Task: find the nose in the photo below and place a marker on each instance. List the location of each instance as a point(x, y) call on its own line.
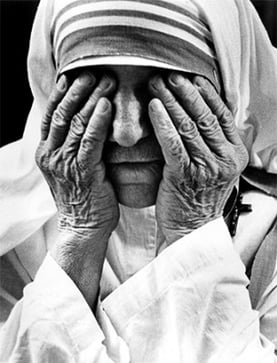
point(129, 125)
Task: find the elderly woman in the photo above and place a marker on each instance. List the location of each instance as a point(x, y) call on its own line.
point(150, 112)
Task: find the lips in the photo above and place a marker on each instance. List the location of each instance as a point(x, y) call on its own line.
point(135, 173)
point(145, 151)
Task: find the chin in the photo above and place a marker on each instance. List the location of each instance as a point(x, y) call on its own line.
point(137, 195)
point(136, 184)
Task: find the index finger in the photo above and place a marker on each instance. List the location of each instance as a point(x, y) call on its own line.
point(92, 143)
point(173, 149)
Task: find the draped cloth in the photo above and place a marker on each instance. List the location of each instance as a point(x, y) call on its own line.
point(224, 41)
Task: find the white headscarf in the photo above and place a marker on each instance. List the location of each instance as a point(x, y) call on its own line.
point(248, 67)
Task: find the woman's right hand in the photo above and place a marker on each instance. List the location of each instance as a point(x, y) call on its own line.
point(69, 155)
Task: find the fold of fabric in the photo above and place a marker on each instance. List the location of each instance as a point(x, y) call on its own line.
point(151, 31)
point(247, 63)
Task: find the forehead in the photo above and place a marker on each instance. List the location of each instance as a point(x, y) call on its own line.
point(135, 68)
point(127, 74)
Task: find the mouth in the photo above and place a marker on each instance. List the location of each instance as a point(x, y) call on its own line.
point(133, 173)
point(139, 164)
point(146, 151)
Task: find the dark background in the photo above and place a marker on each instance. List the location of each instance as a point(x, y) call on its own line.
point(16, 22)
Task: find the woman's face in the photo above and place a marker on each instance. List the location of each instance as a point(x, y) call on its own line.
point(132, 155)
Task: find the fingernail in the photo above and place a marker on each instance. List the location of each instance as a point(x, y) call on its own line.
point(176, 79)
point(108, 82)
point(154, 105)
point(87, 78)
point(200, 81)
point(104, 105)
point(155, 83)
point(62, 83)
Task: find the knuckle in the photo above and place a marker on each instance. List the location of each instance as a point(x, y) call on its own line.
point(53, 167)
point(229, 171)
point(187, 129)
point(93, 135)
point(176, 148)
point(170, 101)
point(211, 169)
point(173, 143)
point(234, 163)
point(47, 116)
point(239, 160)
point(86, 143)
point(77, 125)
point(225, 173)
point(199, 176)
point(89, 143)
point(42, 157)
point(208, 121)
point(58, 119)
point(63, 108)
point(78, 120)
point(226, 115)
point(45, 124)
point(215, 169)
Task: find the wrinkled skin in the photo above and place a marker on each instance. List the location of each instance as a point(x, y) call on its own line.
point(203, 157)
point(70, 154)
point(74, 129)
point(203, 152)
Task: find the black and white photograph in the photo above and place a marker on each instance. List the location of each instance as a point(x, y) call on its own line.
point(138, 181)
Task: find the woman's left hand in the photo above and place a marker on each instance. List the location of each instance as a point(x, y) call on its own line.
point(203, 153)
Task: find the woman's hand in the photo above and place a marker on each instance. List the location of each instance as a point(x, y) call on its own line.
point(74, 130)
point(203, 153)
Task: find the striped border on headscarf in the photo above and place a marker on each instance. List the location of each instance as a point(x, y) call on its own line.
point(174, 33)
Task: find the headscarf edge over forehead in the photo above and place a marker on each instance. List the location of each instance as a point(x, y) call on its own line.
point(248, 66)
point(152, 32)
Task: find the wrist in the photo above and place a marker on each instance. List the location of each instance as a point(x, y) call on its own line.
point(81, 255)
point(85, 219)
point(84, 228)
point(73, 244)
point(172, 234)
